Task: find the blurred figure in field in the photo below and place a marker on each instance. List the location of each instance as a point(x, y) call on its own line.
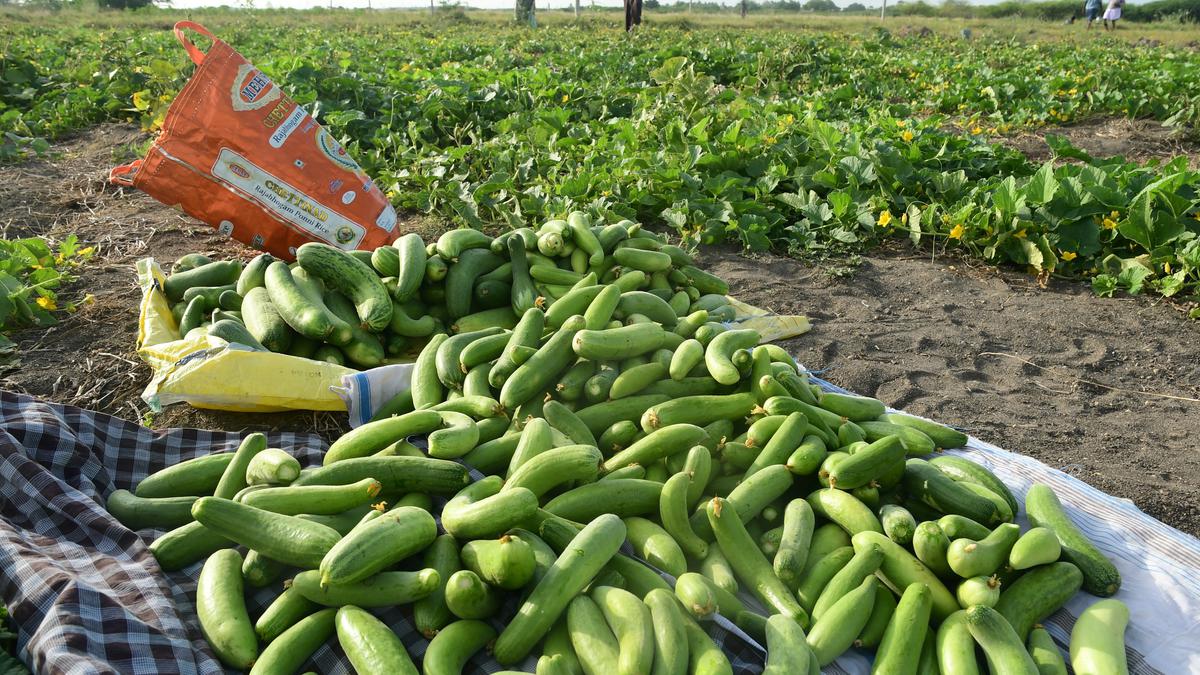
point(1091, 9)
point(1113, 13)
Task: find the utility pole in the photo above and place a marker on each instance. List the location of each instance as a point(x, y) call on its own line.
point(883, 11)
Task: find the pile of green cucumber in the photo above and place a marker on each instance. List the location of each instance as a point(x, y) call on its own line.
point(366, 308)
point(814, 521)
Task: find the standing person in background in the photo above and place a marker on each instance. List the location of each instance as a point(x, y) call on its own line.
point(1113, 13)
point(1091, 9)
point(633, 14)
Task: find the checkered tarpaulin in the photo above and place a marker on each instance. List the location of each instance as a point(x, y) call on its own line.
point(85, 594)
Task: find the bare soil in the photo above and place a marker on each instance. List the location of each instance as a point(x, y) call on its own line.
point(1135, 140)
point(1076, 381)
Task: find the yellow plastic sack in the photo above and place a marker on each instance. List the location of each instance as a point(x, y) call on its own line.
point(208, 372)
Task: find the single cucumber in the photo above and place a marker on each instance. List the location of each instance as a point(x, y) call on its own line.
point(853, 408)
point(945, 437)
point(930, 544)
point(563, 419)
point(1005, 650)
point(898, 523)
point(718, 354)
point(970, 558)
point(790, 558)
point(430, 613)
point(374, 436)
point(1038, 546)
point(835, 632)
point(1100, 576)
point(450, 649)
point(264, 322)
point(699, 410)
point(930, 486)
point(506, 563)
point(221, 609)
point(881, 616)
point(186, 545)
point(162, 513)
point(377, 544)
point(252, 274)
point(600, 416)
point(198, 476)
point(593, 640)
point(586, 554)
point(900, 649)
point(670, 636)
point(547, 470)
point(306, 313)
point(867, 464)
point(864, 564)
point(959, 527)
point(285, 538)
point(658, 444)
point(705, 657)
point(370, 645)
point(1037, 594)
point(673, 513)
point(384, 589)
point(1045, 653)
point(410, 265)
point(468, 597)
point(535, 376)
point(296, 644)
point(352, 278)
point(272, 466)
point(627, 497)
point(397, 474)
point(955, 646)
point(481, 510)
point(978, 591)
point(788, 652)
point(817, 573)
point(316, 499)
point(284, 611)
point(655, 545)
point(844, 509)
point(219, 273)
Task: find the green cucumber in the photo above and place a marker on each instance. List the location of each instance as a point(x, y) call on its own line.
point(655, 308)
point(304, 313)
point(450, 649)
point(970, 558)
point(468, 597)
point(900, 649)
point(1037, 594)
point(286, 653)
point(835, 632)
point(867, 464)
point(630, 620)
point(506, 563)
point(221, 609)
point(447, 360)
point(563, 419)
point(699, 410)
point(749, 498)
point(426, 387)
point(316, 499)
point(482, 510)
point(264, 321)
point(364, 349)
point(783, 442)
point(655, 545)
point(235, 332)
point(964, 470)
point(697, 596)
point(186, 545)
point(219, 273)
point(719, 353)
point(959, 527)
point(930, 544)
point(898, 524)
point(1045, 654)
point(410, 265)
point(626, 497)
point(749, 563)
point(1038, 546)
point(592, 639)
point(1100, 576)
point(673, 513)
point(370, 645)
point(930, 486)
point(397, 474)
point(900, 569)
point(276, 536)
point(881, 616)
point(916, 443)
point(600, 416)
point(272, 466)
point(549, 469)
point(350, 277)
point(670, 636)
point(535, 376)
point(161, 513)
point(384, 589)
point(198, 476)
point(252, 274)
point(284, 611)
point(978, 591)
point(705, 657)
point(430, 613)
point(851, 407)
point(817, 573)
point(788, 652)
point(955, 646)
point(845, 510)
point(377, 544)
point(375, 436)
point(616, 344)
point(656, 445)
point(945, 437)
point(582, 559)
point(1005, 649)
point(864, 564)
point(792, 555)
point(457, 436)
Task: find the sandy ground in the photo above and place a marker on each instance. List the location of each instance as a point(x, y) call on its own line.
point(1079, 382)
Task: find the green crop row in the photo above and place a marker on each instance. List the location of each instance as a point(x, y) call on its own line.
point(809, 144)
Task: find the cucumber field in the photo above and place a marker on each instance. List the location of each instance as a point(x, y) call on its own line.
point(993, 224)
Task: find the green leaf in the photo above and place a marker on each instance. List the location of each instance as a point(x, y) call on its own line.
point(1104, 285)
point(1005, 196)
point(1042, 185)
point(1132, 277)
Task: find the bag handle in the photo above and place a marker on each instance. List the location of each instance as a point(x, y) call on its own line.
point(193, 51)
point(123, 175)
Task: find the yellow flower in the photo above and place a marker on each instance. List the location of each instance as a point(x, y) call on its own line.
point(86, 250)
point(1114, 215)
point(1073, 92)
point(1196, 215)
point(901, 123)
point(47, 304)
point(788, 119)
point(976, 130)
point(885, 218)
point(1167, 267)
point(957, 231)
point(565, 98)
point(406, 67)
point(1109, 224)
point(907, 136)
point(1020, 234)
point(1069, 255)
point(904, 218)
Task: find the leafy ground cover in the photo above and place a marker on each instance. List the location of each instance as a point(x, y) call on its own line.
point(814, 144)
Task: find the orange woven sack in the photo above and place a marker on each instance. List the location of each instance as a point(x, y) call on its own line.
point(239, 154)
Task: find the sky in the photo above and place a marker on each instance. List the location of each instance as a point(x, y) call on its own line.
point(488, 4)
